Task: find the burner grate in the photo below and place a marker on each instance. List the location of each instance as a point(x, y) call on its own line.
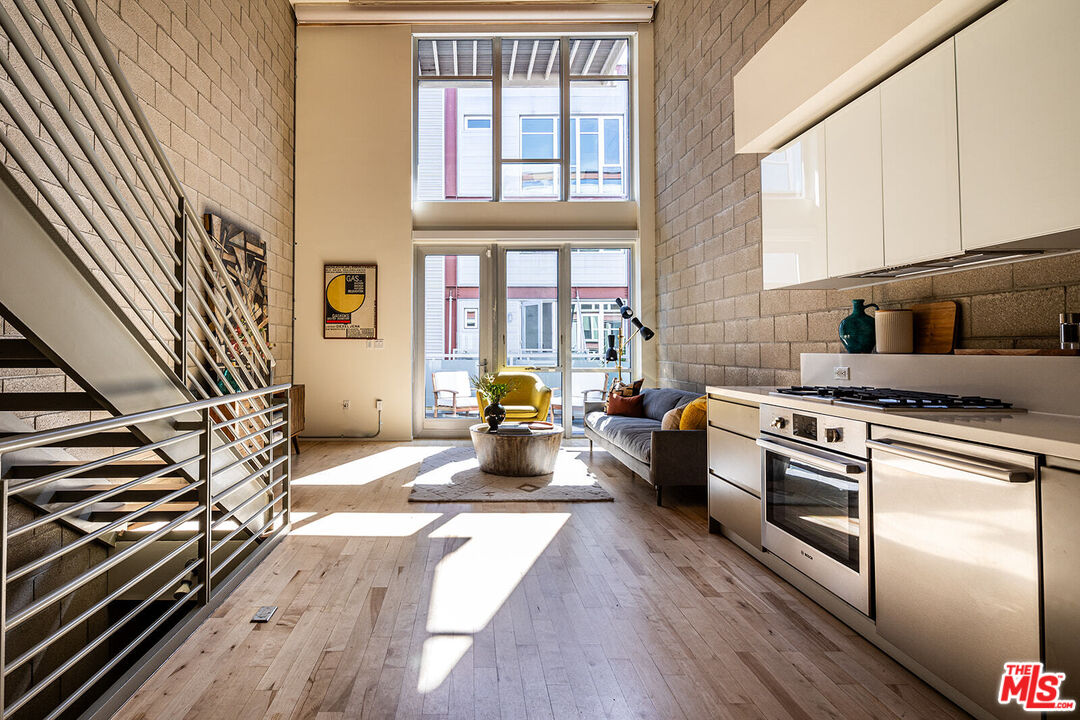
point(890, 398)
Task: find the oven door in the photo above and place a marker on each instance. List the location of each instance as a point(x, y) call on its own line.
point(816, 514)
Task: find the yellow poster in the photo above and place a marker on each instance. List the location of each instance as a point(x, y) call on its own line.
point(349, 302)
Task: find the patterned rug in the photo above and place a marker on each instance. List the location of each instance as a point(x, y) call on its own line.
point(454, 475)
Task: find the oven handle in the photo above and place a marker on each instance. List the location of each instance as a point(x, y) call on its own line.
point(835, 466)
point(974, 466)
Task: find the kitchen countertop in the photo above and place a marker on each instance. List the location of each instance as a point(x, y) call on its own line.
point(1035, 432)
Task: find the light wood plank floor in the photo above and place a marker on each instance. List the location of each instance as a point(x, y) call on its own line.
point(524, 610)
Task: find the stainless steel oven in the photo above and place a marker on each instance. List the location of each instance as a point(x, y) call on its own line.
point(816, 499)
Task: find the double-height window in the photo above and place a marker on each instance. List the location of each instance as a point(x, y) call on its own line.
point(522, 118)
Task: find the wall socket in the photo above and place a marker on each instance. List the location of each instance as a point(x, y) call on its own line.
point(345, 404)
point(378, 404)
point(841, 373)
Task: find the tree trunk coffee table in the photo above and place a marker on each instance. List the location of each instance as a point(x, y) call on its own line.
point(516, 455)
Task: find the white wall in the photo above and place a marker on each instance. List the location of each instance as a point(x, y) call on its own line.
point(353, 188)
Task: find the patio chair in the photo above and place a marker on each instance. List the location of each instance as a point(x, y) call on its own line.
point(453, 391)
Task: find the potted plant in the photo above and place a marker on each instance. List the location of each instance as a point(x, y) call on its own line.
point(493, 391)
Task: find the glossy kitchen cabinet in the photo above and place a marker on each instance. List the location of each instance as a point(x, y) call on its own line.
point(920, 174)
point(1061, 559)
point(793, 219)
point(1018, 103)
point(855, 237)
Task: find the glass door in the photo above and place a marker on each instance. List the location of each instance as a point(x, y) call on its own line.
point(599, 277)
point(530, 319)
point(453, 327)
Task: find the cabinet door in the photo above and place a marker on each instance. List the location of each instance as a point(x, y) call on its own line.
point(920, 174)
point(793, 236)
point(1018, 100)
point(853, 196)
point(1061, 558)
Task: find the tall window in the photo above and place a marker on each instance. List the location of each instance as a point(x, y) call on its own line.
point(491, 124)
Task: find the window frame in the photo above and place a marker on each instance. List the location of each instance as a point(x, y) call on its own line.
point(628, 122)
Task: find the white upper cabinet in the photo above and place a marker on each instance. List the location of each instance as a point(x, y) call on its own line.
point(793, 222)
point(1018, 99)
point(920, 173)
point(853, 194)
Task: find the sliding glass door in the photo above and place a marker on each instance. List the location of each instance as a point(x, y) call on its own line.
point(548, 310)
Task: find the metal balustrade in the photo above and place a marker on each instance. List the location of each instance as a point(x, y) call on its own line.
point(73, 126)
point(151, 556)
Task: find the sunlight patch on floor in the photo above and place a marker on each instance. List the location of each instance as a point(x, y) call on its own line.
point(471, 583)
point(370, 468)
point(440, 654)
point(359, 524)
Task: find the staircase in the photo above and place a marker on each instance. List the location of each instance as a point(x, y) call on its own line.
point(120, 532)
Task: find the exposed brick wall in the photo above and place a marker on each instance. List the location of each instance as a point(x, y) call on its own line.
point(716, 324)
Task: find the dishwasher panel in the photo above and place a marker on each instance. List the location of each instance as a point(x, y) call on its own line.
point(956, 558)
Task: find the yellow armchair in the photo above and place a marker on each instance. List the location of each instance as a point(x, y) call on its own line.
point(529, 398)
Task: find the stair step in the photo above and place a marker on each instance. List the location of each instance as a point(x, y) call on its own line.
point(47, 401)
point(20, 353)
point(107, 512)
point(144, 493)
point(118, 439)
point(116, 470)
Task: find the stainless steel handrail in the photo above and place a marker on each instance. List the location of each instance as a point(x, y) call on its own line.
point(216, 531)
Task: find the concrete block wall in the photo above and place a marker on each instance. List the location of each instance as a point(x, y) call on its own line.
point(216, 79)
point(716, 323)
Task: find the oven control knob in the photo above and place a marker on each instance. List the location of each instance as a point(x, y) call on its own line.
point(778, 423)
point(833, 434)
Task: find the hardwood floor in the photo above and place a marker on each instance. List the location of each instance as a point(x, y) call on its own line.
point(523, 610)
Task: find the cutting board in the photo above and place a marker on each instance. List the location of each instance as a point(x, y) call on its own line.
point(935, 327)
point(1048, 352)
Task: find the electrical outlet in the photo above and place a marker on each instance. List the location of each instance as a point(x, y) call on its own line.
point(841, 373)
point(378, 404)
point(345, 404)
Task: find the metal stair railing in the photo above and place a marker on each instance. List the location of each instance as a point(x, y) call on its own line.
point(61, 648)
point(79, 144)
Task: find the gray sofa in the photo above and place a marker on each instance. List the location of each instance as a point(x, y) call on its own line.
point(661, 457)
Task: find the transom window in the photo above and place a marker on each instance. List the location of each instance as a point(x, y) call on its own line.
point(516, 118)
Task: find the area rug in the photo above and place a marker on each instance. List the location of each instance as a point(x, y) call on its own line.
point(454, 475)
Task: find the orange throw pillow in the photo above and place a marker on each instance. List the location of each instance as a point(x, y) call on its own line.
point(695, 415)
point(633, 406)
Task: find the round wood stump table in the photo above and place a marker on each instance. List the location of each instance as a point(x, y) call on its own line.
point(516, 455)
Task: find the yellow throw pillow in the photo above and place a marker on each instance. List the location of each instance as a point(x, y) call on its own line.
point(695, 415)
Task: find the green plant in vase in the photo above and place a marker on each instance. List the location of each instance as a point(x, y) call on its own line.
point(493, 390)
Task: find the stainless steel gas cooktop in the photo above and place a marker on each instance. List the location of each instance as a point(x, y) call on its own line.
point(893, 399)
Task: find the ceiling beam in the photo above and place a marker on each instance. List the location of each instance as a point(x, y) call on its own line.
point(453, 46)
point(435, 54)
point(513, 60)
point(532, 59)
point(551, 59)
point(592, 56)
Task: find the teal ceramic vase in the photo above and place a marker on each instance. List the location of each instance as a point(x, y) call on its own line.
point(857, 329)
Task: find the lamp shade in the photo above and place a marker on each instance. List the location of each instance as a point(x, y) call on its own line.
point(646, 333)
point(624, 310)
point(612, 354)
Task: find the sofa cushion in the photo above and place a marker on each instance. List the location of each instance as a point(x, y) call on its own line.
point(659, 400)
point(631, 435)
point(628, 406)
point(671, 418)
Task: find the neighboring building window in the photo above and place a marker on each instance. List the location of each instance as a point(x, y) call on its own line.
point(458, 134)
point(470, 319)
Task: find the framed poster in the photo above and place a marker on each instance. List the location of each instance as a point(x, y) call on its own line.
point(349, 311)
point(244, 257)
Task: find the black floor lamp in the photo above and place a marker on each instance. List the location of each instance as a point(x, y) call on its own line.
point(616, 345)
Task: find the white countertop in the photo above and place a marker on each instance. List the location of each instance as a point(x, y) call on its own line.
point(1035, 432)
